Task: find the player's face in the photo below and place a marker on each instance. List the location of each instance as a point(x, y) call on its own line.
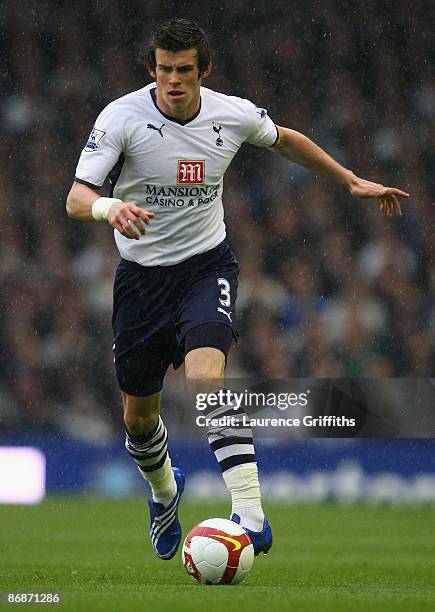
point(178, 82)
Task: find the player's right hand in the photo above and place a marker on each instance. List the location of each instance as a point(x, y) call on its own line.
point(129, 219)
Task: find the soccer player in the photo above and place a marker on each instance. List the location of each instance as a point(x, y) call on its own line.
point(165, 149)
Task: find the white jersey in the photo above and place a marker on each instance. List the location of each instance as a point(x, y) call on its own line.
point(172, 168)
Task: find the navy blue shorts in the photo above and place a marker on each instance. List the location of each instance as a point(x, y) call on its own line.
point(155, 307)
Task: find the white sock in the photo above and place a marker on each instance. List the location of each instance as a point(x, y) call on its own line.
point(149, 450)
point(244, 487)
point(162, 483)
point(251, 517)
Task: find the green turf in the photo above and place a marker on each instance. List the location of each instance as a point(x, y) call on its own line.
point(340, 558)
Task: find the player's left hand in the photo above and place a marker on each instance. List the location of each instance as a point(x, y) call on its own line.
point(388, 196)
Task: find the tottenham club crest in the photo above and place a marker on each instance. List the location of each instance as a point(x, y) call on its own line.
point(94, 140)
point(217, 128)
point(261, 111)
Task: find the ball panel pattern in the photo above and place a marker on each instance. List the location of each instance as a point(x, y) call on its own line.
point(218, 551)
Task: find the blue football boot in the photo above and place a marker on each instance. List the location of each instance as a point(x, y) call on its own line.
point(261, 540)
point(165, 529)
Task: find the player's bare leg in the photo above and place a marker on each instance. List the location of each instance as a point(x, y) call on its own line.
point(204, 363)
point(233, 449)
point(141, 414)
point(146, 441)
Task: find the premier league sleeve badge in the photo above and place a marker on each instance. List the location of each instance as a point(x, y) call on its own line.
point(94, 140)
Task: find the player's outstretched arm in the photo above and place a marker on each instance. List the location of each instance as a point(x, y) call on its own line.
point(84, 204)
point(297, 148)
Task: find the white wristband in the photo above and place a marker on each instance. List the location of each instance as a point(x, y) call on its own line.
point(101, 207)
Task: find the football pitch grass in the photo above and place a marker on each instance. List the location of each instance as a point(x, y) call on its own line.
point(97, 554)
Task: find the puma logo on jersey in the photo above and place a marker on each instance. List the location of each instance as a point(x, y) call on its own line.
point(225, 313)
point(150, 126)
point(217, 129)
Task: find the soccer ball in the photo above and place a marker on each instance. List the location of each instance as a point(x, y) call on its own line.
point(218, 551)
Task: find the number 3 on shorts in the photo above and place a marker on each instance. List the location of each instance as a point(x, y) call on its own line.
point(225, 298)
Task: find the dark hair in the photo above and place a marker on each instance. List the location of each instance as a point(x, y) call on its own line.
point(178, 35)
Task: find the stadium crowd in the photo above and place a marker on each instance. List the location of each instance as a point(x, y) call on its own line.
point(328, 287)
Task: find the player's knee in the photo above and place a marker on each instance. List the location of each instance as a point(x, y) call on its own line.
point(206, 363)
point(201, 371)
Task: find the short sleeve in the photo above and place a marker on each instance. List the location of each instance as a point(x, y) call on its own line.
point(102, 149)
point(261, 130)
